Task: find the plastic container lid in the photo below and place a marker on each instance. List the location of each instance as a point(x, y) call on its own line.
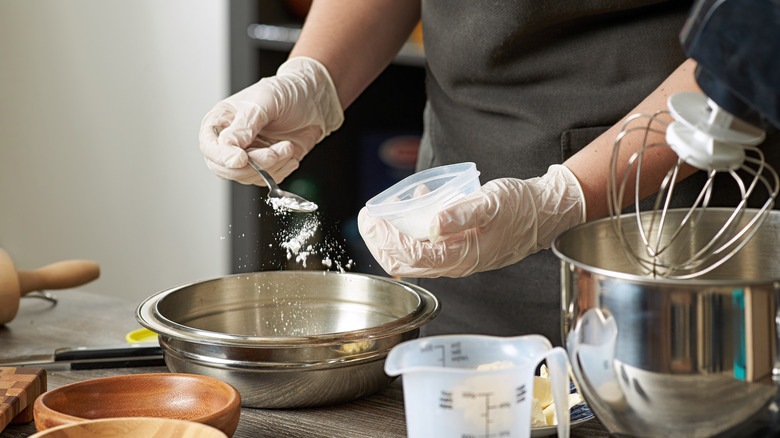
point(411, 203)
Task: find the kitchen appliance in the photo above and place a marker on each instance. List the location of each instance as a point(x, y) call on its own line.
point(480, 386)
point(288, 339)
point(737, 46)
point(673, 357)
point(670, 315)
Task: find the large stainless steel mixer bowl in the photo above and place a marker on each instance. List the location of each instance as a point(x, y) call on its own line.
point(688, 358)
point(288, 339)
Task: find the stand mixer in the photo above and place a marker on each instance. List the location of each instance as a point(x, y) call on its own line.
point(661, 342)
point(737, 46)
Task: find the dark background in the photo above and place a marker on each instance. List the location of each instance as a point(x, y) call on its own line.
point(342, 172)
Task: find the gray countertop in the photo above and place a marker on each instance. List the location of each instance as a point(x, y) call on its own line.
point(90, 319)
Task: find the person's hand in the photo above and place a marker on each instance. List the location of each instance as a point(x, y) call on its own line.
point(277, 121)
point(503, 222)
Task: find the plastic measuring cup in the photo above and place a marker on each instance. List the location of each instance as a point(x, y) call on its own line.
point(446, 395)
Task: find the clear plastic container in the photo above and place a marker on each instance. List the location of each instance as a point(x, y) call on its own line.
point(411, 203)
point(476, 385)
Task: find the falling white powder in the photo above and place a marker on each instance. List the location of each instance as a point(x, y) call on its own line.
point(297, 237)
point(296, 241)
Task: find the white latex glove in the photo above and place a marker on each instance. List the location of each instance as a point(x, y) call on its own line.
point(503, 222)
point(277, 121)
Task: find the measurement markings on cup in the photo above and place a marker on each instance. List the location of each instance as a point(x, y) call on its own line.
point(431, 348)
point(455, 353)
point(489, 408)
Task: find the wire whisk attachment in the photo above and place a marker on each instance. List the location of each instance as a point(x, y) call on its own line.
point(710, 139)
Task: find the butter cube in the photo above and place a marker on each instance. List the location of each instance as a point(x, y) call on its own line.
point(543, 391)
point(537, 414)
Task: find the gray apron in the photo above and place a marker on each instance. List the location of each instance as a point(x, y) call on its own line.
point(516, 86)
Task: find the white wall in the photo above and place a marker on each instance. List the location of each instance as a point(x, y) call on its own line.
point(100, 104)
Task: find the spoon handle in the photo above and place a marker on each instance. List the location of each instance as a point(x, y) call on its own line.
point(272, 186)
point(266, 177)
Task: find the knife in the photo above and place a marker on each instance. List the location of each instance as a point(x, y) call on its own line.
point(141, 354)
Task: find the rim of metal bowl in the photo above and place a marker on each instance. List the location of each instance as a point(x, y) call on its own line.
point(639, 278)
point(428, 307)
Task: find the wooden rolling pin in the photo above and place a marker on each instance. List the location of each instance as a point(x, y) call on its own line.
point(60, 275)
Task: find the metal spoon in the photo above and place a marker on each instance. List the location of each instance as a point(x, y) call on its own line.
point(277, 197)
point(281, 198)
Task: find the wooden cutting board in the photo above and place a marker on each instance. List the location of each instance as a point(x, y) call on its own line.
point(19, 387)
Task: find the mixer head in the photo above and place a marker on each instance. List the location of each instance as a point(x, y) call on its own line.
point(736, 44)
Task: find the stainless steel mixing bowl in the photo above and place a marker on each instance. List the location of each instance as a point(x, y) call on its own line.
point(288, 339)
point(688, 358)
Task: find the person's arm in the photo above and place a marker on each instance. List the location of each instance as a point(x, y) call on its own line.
point(356, 39)
point(343, 46)
point(591, 165)
point(507, 219)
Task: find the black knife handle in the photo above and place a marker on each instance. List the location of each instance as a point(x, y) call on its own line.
point(116, 356)
point(133, 363)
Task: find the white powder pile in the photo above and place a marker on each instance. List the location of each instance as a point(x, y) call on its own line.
point(287, 204)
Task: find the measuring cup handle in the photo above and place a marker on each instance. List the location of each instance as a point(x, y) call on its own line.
point(531, 345)
point(558, 366)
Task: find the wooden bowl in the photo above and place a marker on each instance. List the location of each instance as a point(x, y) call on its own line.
point(196, 398)
point(132, 427)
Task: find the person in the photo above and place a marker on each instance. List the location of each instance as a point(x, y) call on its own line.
point(532, 92)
